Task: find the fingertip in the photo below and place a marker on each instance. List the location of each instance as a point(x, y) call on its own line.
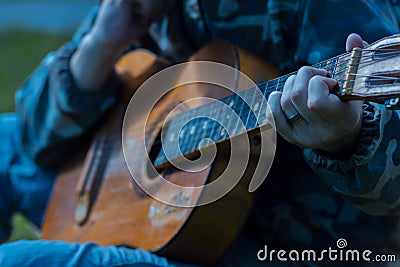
point(330, 82)
point(318, 81)
point(274, 95)
point(274, 100)
point(318, 92)
point(321, 72)
point(275, 115)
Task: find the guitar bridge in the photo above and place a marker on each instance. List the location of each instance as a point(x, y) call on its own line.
point(351, 71)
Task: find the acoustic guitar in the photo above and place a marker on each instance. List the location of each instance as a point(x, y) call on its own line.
point(95, 198)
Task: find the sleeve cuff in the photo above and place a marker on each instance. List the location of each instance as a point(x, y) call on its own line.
point(72, 100)
point(366, 146)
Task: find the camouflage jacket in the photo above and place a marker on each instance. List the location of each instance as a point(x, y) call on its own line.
point(55, 114)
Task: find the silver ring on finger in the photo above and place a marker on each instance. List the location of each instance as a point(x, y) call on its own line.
point(294, 119)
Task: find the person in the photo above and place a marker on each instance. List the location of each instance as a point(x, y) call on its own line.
point(73, 87)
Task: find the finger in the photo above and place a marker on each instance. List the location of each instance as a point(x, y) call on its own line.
point(282, 127)
point(286, 98)
point(300, 90)
point(320, 100)
point(354, 40)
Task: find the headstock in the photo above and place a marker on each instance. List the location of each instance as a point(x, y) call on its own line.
point(372, 73)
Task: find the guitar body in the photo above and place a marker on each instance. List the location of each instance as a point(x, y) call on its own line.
point(119, 212)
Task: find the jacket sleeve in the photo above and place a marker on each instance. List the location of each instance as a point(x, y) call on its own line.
point(54, 114)
point(370, 177)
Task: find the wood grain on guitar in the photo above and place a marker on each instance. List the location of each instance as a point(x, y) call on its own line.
point(98, 201)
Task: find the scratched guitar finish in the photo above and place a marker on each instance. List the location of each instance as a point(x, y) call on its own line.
point(95, 198)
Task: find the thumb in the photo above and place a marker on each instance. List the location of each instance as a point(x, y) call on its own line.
point(354, 40)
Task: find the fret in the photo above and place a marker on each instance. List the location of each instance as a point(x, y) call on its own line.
point(332, 70)
point(277, 85)
point(204, 126)
point(341, 69)
point(263, 112)
point(272, 84)
point(225, 118)
point(193, 136)
point(225, 121)
point(228, 118)
point(216, 131)
point(331, 65)
point(204, 122)
point(321, 65)
point(251, 120)
point(234, 105)
point(261, 105)
point(280, 85)
point(199, 131)
point(242, 104)
point(182, 134)
point(186, 133)
point(203, 129)
point(246, 109)
point(187, 139)
point(212, 110)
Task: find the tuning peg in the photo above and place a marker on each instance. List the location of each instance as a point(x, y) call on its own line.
point(392, 103)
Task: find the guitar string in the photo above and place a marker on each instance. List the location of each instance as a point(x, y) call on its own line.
point(118, 161)
point(360, 65)
point(374, 76)
point(342, 59)
point(371, 55)
point(368, 64)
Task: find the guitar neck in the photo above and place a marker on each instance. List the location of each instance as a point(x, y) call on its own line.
point(218, 121)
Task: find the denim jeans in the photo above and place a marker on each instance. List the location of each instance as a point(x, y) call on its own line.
point(41, 253)
point(25, 187)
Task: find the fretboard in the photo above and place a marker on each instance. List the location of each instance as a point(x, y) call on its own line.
point(217, 121)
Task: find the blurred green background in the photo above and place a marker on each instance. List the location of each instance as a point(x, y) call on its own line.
point(20, 53)
point(29, 29)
